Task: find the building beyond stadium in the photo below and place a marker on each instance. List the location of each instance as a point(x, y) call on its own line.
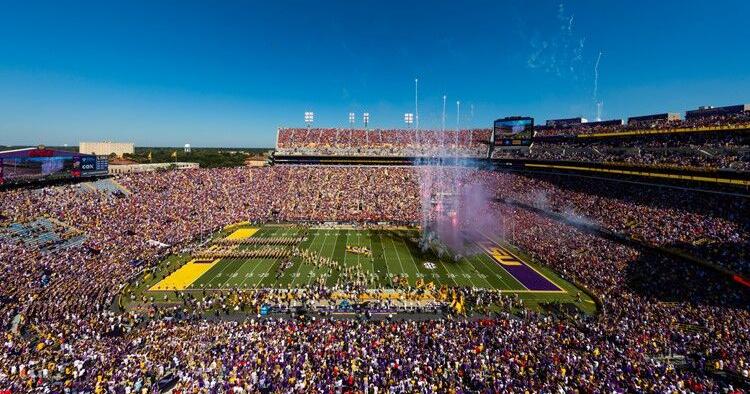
point(106, 148)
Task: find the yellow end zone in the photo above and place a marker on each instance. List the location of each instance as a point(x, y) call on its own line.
point(500, 255)
point(242, 233)
point(184, 276)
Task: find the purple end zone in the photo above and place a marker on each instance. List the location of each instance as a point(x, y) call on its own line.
point(531, 279)
point(522, 272)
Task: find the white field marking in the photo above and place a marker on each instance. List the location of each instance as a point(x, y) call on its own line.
point(232, 262)
point(296, 274)
point(387, 271)
point(260, 275)
point(245, 282)
point(372, 250)
point(314, 269)
point(398, 256)
point(333, 251)
point(250, 279)
point(416, 266)
point(252, 273)
point(267, 273)
point(357, 254)
point(470, 277)
point(493, 271)
point(218, 275)
point(448, 274)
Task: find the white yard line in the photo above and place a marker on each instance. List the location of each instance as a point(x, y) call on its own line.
point(372, 250)
point(333, 250)
point(268, 271)
point(320, 253)
point(250, 274)
point(347, 240)
point(492, 270)
point(416, 267)
point(387, 270)
point(398, 256)
point(300, 263)
point(220, 275)
point(470, 276)
point(447, 272)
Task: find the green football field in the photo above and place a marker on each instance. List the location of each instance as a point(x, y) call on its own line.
point(394, 252)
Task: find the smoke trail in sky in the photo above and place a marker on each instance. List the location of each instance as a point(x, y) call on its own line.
point(596, 76)
point(559, 52)
point(596, 88)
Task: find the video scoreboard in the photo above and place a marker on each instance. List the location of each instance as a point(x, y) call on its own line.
point(513, 131)
point(47, 164)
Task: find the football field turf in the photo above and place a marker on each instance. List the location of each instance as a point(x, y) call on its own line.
point(388, 253)
point(394, 253)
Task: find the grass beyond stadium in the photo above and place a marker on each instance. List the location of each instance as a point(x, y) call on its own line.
point(388, 258)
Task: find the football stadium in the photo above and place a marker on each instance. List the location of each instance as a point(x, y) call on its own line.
point(226, 228)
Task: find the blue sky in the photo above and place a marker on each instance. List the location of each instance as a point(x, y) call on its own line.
point(229, 73)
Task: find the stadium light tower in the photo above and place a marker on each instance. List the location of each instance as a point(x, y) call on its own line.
point(442, 128)
point(351, 119)
point(458, 115)
point(366, 118)
point(309, 117)
point(416, 102)
point(409, 118)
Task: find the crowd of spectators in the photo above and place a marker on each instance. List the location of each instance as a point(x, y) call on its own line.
point(377, 142)
point(707, 150)
point(666, 325)
point(729, 150)
point(711, 226)
point(705, 122)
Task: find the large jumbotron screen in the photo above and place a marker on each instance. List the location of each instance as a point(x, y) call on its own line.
point(514, 127)
point(513, 131)
point(44, 164)
point(19, 168)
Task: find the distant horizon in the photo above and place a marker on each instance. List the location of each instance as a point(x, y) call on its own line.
point(162, 75)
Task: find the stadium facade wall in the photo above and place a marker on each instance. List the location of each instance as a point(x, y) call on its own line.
point(106, 148)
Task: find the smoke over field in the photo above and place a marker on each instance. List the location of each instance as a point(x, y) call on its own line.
point(455, 206)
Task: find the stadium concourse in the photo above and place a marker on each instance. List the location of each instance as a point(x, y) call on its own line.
point(664, 324)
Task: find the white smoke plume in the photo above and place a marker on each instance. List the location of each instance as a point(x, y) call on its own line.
point(596, 77)
point(455, 207)
point(560, 53)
